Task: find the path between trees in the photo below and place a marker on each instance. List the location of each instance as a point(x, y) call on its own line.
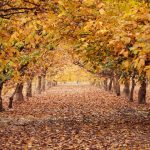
point(75, 118)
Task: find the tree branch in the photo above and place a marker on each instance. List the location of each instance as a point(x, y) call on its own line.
point(7, 16)
point(31, 3)
point(7, 12)
point(17, 9)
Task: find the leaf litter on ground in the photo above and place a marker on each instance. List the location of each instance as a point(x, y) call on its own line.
point(76, 118)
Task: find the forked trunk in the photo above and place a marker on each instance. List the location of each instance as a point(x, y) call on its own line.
point(10, 105)
point(29, 88)
point(1, 101)
point(19, 92)
point(142, 92)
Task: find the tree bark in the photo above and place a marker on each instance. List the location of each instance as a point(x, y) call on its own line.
point(114, 85)
point(100, 84)
point(1, 100)
point(132, 88)
point(105, 84)
point(29, 88)
point(10, 105)
point(48, 84)
point(117, 86)
point(55, 83)
point(19, 92)
point(142, 92)
point(39, 85)
point(110, 84)
point(43, 83)
point(126, 89)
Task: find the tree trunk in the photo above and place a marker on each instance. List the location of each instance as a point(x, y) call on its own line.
point(132, 88)
point(100, 84)
point(117, 86)
point(126, 89)
point(105, 84)
point(19, 92)
point(142, 92)
point(48, 84)
point(10, 105)
point(29, 88)
point(12, 97)
point(39, 85)
point(110, 84)
point(1, 101)
point(43, 83)
point(114, 85)
point(55, 83)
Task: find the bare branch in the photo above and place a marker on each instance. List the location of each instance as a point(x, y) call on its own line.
point(31, 3)
point(16, 9)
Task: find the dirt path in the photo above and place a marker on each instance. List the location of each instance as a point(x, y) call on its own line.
point(75, 118)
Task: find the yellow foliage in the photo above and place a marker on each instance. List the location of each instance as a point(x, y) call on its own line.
point(126, 64)
point(147, 69)
point(88, 2)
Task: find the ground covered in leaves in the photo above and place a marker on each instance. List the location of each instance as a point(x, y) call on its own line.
point(75, 118)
